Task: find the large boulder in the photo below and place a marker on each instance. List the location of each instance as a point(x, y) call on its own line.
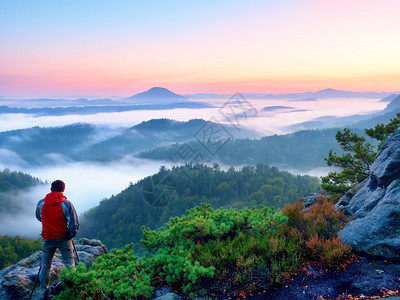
point(17, 281)
point(387, 164)
point(375, 206)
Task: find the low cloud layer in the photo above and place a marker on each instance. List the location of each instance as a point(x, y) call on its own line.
point(273, 123)
point(86, 185)
point(23, 222)
point(90, 182)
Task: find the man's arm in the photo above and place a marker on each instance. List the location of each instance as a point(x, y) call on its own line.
point(39, 210)
point(72, 219)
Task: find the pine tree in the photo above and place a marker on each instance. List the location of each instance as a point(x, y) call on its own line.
point(358, 157)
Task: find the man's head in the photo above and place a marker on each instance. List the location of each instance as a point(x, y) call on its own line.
point(57, 186)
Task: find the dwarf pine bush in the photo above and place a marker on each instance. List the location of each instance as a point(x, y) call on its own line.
point(211, 251)
point(224, 243)
point(116, 275)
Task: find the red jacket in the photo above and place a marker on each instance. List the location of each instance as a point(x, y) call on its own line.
point(53, 220)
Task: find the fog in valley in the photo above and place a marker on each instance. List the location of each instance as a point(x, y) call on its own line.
point(265, 122)
point(87, 183)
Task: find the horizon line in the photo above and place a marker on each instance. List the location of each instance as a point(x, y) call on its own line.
point(64, 97)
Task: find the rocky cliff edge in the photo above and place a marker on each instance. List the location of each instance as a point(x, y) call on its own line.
point(375, 206)
point(17, 281)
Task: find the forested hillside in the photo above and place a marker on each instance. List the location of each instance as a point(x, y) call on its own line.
point(302, 150)
point(117, 221)
point(13, 249)
point(83, 142)
point(37, 145)
point(148, 135)
point(11, 183)
point(16, 180)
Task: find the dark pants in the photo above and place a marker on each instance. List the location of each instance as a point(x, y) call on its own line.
point(49, 248)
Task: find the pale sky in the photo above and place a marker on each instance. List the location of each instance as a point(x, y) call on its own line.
point(120, 48)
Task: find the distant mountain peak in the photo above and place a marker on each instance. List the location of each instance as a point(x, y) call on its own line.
point(328, 90)
point(159, 89)
point(157, 93)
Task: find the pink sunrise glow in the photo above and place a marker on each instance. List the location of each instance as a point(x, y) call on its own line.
point(106, 49)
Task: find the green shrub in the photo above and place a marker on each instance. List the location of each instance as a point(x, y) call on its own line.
point(210, 251)
point(116, 275)
point(208, 243)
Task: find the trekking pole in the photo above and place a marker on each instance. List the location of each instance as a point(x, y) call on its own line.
point(76, 252)
point(36, 281)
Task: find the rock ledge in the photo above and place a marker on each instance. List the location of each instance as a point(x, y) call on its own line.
point(17, 281)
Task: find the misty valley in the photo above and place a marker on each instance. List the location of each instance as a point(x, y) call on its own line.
point(132, 185)
point(100, 159)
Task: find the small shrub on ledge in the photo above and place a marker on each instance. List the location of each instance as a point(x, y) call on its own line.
point(216, 251)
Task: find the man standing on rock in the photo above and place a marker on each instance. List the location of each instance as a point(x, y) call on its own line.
point(59, 226)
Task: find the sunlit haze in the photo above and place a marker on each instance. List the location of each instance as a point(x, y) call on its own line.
point(119, 48)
